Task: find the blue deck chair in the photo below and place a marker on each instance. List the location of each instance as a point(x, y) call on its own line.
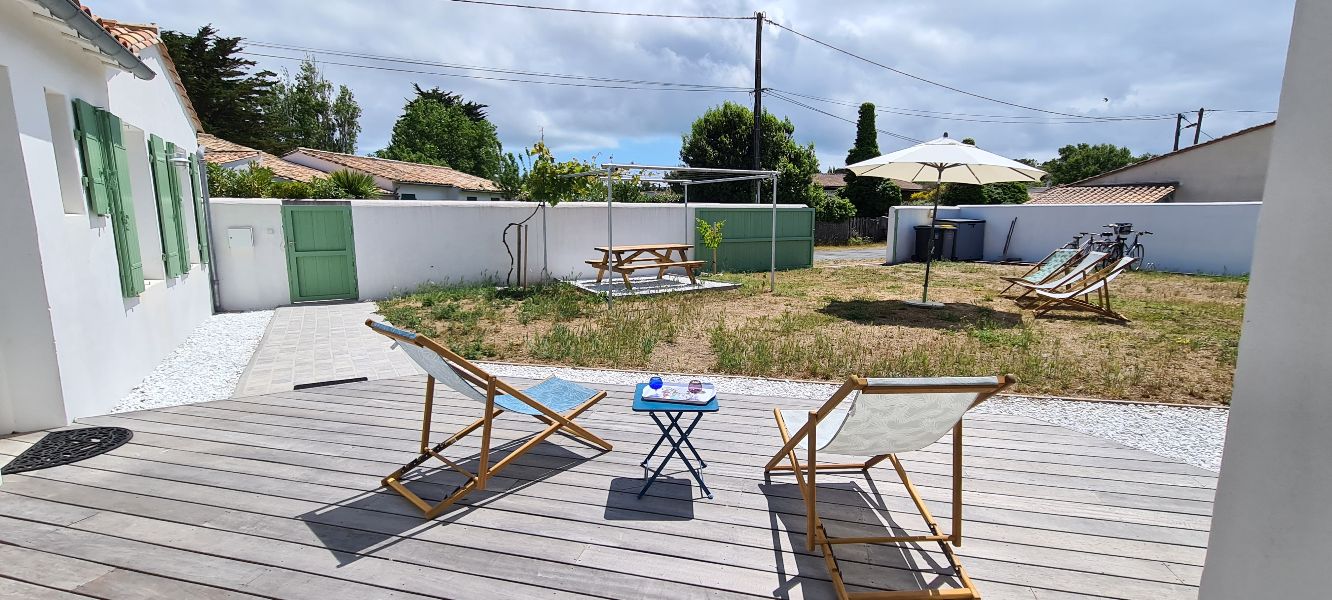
point(555, 402)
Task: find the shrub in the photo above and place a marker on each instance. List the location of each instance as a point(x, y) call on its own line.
point(833, 209)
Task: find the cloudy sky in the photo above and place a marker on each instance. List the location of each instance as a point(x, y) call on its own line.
point(1097, 59)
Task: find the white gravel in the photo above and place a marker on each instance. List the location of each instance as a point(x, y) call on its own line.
point(1190, 435)
point(205, 367)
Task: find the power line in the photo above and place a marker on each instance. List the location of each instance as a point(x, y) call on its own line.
point(412, 61)
point(681, 88)
point(950, 116)
point(930, 81)
point(782, 97)
point(600, 12)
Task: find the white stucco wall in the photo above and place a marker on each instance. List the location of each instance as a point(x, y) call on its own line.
point(403, 244)
point(1272, 525)
point(1215, 238)
point(73, 346)
point(1229, 170)
point(251, 276)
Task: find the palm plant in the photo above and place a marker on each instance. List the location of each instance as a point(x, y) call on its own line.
point(355, 183)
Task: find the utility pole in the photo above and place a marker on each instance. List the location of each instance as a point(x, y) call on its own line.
point(1197, 127)
point(1179, 121)
point(758, 97)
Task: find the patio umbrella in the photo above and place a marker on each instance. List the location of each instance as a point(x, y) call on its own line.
point(944, 160)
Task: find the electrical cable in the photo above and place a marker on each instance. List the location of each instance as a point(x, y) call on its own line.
point(839, 117)
point(600, 12)
point(949, 116)
point(508, 79)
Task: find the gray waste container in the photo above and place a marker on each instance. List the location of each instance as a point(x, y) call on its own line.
point(967, 240)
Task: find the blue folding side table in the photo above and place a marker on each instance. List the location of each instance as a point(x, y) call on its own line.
point(670, 428)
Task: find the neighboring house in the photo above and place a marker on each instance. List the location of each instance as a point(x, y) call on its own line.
point(231, 155)
point(103, 245)
point(831, 182)
point(405, 180)
point(1231, 168)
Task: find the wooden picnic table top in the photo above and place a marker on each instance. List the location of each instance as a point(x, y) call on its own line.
point(644, 247)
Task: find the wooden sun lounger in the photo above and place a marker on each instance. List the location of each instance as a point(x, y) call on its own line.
point(1075, 296)
point(887, 416)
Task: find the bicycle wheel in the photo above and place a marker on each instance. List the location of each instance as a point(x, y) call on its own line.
point(1140, 253)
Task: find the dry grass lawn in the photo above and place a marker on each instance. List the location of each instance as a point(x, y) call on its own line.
point(832, 321)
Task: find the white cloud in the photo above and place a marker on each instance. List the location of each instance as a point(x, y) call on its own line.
point(1144, 56)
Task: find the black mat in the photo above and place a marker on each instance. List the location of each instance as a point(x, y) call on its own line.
point(69, 446)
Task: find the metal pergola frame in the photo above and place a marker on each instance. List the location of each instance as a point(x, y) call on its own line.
point(608, 172)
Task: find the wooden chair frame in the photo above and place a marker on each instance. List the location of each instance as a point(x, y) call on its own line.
point(805, 474)
point(1097, 282)
point(555, 423)
point(1070, 274)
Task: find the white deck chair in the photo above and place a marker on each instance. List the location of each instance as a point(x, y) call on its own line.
point(1048, 268)
point(885, 417)
point(1094, 283)
point(555, 402)
point(1089, 261)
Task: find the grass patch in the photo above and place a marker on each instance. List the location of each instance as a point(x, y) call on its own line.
point(831, 322)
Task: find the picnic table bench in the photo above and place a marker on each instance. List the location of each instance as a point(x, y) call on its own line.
point(625, 260)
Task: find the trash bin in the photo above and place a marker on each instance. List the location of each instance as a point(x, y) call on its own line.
point(967, 241)
point(923, 239)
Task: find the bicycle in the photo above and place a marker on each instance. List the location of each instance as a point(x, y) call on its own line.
point(1114, 243)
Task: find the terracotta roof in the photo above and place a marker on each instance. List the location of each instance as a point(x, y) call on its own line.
point(837, 180)
point(1180, 151)
point(402, 172)
point(221, 152)
point(1144, 193)
point(137, 37)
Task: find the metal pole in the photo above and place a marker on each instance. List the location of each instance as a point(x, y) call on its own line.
point(772, 258)
point(686, 215)
point(929, 246)
point(758, 97)
point(1179, 122)
point(1197, 127)
point(545, 245)
point(610, 243)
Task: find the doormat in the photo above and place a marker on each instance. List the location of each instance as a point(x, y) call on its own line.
point(69, 446)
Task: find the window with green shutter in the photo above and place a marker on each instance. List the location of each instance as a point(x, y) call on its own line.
point(178, 206)
point(92, 149)
point(106, 179)
point(168, 213)
point(200, 217)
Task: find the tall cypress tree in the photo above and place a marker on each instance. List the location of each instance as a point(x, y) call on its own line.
point(226, 95)
point(871, 195)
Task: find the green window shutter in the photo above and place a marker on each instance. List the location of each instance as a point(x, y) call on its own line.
point(166, 213)
point(178, 208)
point(200, 219)
point(88, 134)
point(121, 205)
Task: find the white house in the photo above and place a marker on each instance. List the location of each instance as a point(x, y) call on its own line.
point(102, 250)
point(406, 180)
point(1231, 168)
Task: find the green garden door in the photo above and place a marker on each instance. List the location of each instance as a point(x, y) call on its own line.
point(321, 252)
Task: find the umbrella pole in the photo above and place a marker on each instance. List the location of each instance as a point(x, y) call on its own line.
point(929, 245)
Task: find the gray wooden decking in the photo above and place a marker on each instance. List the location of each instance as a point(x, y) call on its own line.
point(278, 496)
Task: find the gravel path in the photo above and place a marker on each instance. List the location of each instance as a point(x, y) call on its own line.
point(872, 252)
point(1190, 435)
point(205, 367)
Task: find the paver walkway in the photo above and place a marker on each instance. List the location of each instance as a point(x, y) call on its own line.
point(309, 344)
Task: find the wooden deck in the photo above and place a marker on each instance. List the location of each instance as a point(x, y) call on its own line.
point(278, 496)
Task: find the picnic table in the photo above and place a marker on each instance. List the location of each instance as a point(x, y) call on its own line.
point(627, 259)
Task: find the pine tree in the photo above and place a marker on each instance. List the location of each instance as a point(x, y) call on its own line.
point(227, 97)
point(303, 112)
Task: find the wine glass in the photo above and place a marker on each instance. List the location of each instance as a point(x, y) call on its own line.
point(655, 383)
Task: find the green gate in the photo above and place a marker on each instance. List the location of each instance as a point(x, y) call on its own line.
point(747, 237)
point(321, 252)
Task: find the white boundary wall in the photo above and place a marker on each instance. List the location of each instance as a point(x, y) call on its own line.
point(403, 244)
point(1215, 238)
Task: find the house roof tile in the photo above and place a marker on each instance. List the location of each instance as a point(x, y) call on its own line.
point(221, 152)
point(837, 180)
point(1145, 193)
point(137, 37)
point(402, 172)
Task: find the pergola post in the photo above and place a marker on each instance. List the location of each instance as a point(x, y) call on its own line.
point(772, 259)
point(610, 232)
